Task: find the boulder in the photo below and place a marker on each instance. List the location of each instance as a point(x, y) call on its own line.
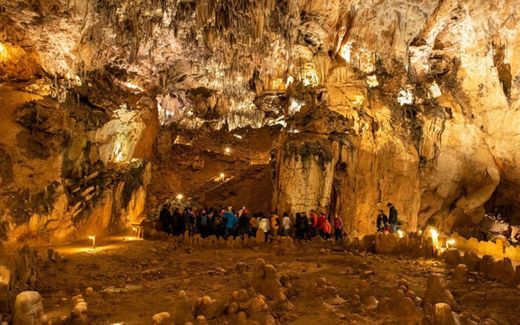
point(504, 271)
point(266, 279)
point(161, 319)
point(437, 292)
point(471, 260)
point(5, 288)
point(452, 257)
point(182, 312)
point(444, 316)
point(386, 244)
point(460, 274)
point(28, 308)
point(487, 265)
point(260, 237)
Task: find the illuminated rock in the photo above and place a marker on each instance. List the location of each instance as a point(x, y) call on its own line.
point(161, 318)
point(28, 308)
point(460, 274)
point(437, 292)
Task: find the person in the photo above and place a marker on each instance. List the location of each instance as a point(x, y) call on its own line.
point(203, 223)
point(286, 224)
point(275, 224)
point(243, 223)
point(382, 221)
point(300, 226)
point(321, 222)
point(253, 223)
point(338, 227)
point(219, 227)
point(231, 222)
point(187, 220)
point(165, 218)
point(264, 226)
point(392, 217)
point(177, 223)
point(313, 225)
point(326, 229)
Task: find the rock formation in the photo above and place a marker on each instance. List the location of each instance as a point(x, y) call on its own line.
point(410, 102)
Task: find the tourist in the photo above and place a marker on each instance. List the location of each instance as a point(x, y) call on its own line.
point(321, 222)
point(253, 223)
point(203, 223)
point(300, 225)
point(312, 225)
point(219, 227)
point(264, 226)
point(286, 224)
point(244, 226)
point(382, 221)
point(392, 217)
point(231, 222)
point(166, 219)
point(275, 224)
point(338, 227)
point(326, 229)
point(177, 223)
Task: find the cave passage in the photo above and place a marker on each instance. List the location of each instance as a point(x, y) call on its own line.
point(259, 162)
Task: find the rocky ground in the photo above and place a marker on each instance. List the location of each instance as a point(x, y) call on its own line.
point(127, 281)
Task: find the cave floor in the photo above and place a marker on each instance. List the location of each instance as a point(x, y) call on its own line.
point(134, 279)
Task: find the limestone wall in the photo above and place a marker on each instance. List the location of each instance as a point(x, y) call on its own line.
point(305, 172)
point(496, 249)
point(58, 182)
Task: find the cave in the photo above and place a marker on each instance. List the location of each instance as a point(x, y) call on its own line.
point(259, 162)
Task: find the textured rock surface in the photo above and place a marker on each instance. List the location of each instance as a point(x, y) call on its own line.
point(421, 97)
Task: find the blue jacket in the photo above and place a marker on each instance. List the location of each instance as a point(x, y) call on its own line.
point(231, 220)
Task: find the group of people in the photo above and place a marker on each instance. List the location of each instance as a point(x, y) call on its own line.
point(387, 223)
point(228, 222)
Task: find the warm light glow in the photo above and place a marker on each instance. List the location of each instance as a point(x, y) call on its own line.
point(133, 86)
point(358, 100)
point(405, 97)
point(450, 242)
point(435, 236)
point(3, 52)
point(227, 150)
point(222, 175)
point(179, 196)
point(237, 136)
point(294, 106)
point(420, 232)
point(93, 238)
point(400, 233)
point(289, 81)
point(345, 51)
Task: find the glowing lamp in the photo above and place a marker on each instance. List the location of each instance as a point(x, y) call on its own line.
point(180, 196)
point(93, 238)
point(227, 150)
point(400, 233)
point(420, 232)
point(450, 242)
point(222, 176)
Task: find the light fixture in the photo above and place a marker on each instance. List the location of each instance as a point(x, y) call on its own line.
point(179, 196)
point(93, 238)
point(400, 233)
point(450, 242)
point(227, 150)
point(222, 176)
point(435, 236)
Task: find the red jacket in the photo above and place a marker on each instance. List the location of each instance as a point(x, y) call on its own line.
point(321, 221)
